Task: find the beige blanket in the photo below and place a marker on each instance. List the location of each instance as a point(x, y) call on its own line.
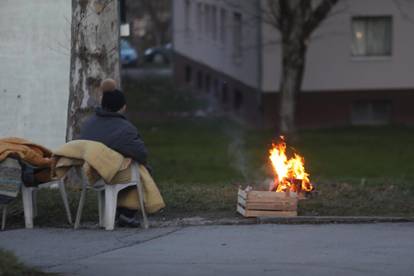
point(99, 161)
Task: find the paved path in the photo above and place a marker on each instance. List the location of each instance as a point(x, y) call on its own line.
point(342, 249)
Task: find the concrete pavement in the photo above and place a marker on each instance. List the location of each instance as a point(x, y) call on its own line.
point(331, 249)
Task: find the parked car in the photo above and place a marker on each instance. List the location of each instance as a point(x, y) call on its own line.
point(159, 54)
point(129, 56)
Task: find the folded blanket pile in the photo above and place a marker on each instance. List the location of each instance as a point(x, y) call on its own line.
point(18, 154)
point(10, 180)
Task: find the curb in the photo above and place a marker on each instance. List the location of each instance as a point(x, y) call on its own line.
point(332, 219)
point(200, 221)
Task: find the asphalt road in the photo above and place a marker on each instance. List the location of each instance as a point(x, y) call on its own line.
point(335, 249)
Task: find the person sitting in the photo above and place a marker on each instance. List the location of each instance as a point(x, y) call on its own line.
point(109, 126)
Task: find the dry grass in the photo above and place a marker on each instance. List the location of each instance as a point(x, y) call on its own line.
point(11, 266)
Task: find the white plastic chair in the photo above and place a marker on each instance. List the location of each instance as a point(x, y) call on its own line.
point(30, 202)
point(108, 197)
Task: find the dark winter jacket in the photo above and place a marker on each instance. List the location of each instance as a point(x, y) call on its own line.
point(116, 132)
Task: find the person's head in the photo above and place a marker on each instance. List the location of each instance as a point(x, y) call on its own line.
point(112, 99)
point(108, 85)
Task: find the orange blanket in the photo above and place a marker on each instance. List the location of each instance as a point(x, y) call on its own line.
point(33, 154)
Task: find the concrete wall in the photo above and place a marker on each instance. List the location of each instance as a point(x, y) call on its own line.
point(330, 65)
point(34, 69)
point(202, 48)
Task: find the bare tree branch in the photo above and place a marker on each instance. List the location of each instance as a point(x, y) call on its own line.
point(154, 8)
point(318, 15)
point(405, 15)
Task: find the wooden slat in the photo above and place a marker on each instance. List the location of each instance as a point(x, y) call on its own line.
point(242, 194)
point(241, 201)
point(266, 196)
point(241, 210)
point(275, 206)
point(264, 213)
point(275, 200)
point(261, 213)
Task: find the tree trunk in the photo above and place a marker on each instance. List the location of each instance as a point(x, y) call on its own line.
point(293, 65)
point(94, 56)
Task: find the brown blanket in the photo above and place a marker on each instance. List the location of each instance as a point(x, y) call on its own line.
point(13, 148)
point(27, 151)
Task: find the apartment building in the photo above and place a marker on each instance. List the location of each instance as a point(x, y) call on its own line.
point(359, 67)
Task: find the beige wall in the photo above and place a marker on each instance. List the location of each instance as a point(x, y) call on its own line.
point(34, 69)
point(201, 47)
point(330, 65)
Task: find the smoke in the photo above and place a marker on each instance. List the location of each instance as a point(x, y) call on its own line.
point(237, 150)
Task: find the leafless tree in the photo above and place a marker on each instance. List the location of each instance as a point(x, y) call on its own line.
point(296, 20)
point(159, 13)
point(94, 56)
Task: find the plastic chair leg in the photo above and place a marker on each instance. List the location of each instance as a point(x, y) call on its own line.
point(64, 196)
point(111, 195)
point(34, 201)
point(141, 203)
point(101, 207)
point(27, 206)
point(80, 207)
point(3, 218)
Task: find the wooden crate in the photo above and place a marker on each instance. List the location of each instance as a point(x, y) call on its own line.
point(266, 204)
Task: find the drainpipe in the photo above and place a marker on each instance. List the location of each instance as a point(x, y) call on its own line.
point(172, 30)
point(259, 58)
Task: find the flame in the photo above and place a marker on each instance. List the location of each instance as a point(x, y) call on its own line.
point(290, 173)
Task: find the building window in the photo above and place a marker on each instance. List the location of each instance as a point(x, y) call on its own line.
point(224, 93)
point(207, 23)
point(199, 80)
point(237, 34)
point(237, 100)
point(188, 74)
point(223, 26)
point(187, 16)
point(199, 18)
point(208, 83)
point(216, 86)
point(376, 112)
point(214, 22)
point(372, 36)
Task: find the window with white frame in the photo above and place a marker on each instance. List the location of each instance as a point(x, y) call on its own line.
point(223, 25)
point(372, 36)
point(237, 34)
point(214, 22)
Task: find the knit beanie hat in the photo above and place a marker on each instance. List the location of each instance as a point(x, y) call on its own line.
point(113, 100)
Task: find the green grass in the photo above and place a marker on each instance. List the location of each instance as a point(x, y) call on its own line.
point(352, 152)
point(198, 164)
point(158, 95)
point(357, 171)
point(11, 266)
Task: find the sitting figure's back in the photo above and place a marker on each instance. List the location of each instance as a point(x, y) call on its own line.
point(109, 126)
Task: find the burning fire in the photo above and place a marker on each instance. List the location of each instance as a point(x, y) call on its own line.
point(290, 173)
